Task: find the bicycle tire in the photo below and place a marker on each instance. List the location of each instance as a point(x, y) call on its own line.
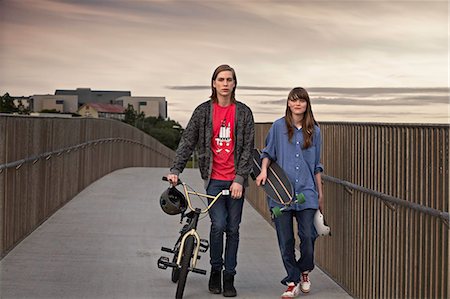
point(185, 263)
point(175, 270)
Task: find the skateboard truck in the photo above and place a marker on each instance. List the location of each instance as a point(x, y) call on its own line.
point(276, 211)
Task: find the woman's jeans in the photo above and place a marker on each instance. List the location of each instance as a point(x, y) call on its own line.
point(286, 242)
point(225, 214)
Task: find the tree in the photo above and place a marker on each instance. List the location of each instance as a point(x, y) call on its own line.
point(130, 115)
point(22, 110)
point(7, 104)
point(168, 132)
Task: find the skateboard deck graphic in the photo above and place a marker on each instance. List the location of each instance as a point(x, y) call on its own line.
point(277, 186)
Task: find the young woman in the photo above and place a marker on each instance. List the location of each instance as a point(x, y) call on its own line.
point(294, 142)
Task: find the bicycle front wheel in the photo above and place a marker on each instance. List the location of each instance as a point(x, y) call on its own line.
point(185, 263)
point(175, 270)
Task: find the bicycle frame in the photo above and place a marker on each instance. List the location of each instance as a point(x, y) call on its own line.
point(193, 231)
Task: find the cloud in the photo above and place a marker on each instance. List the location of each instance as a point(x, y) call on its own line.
point(402, 101)
point(189, 87)
point(373, 96)
point(251, 88)
point(170, 48)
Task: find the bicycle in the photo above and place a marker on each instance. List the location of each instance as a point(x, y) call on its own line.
point(187, 247)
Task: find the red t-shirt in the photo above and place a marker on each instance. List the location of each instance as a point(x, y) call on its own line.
point(222, 142)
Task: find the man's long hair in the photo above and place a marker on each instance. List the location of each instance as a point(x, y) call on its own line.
point(219, 69)
point(308, 120)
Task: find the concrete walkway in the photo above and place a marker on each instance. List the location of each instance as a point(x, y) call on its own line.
point(105, 244)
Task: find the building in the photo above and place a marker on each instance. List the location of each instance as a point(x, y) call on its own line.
point(60, 103)
point(86, 95)
point(71, 101)
point(101, 110)
point(150, 106)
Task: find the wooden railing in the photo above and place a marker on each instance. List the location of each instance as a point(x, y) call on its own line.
point(386, 191)
point(45, 162)
point(387, 201)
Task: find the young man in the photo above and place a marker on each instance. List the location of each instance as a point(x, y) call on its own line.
point(222, 129)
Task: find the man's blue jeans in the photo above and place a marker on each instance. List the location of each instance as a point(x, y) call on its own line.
point(286, 242)
point(225, 214)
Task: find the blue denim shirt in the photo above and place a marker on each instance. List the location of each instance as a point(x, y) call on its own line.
point(300, 165)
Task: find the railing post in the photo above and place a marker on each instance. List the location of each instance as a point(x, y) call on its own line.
point(3, 132)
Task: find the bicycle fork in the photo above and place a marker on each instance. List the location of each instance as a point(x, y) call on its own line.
point(201, 245)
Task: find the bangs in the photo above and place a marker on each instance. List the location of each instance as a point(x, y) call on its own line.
point(298, 93)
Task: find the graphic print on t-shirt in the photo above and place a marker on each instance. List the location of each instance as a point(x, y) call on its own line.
point(223, 140)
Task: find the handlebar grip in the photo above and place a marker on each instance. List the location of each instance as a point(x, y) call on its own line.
point(164, 178)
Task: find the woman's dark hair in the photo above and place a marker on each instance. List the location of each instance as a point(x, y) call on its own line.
point(219, 69)
point(308, 120)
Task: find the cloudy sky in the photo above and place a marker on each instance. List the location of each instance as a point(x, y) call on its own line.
point(377, 61)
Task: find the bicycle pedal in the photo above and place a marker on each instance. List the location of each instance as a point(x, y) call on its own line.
point(204, 245)
point(163, 263)
point(167, 250)
point(198, 271)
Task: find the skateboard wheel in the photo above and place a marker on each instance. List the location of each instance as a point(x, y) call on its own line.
point(301, 198)
point(276, 211)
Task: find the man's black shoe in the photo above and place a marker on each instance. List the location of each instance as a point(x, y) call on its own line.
point(228, 285)
point(215, 281)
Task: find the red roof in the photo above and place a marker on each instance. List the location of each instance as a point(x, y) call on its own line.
point(110, 108)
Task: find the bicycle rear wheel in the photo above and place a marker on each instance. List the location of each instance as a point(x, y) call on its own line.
point(185, 263)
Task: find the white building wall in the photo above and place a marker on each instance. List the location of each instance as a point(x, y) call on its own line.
point(62, 103)
point(154, 106)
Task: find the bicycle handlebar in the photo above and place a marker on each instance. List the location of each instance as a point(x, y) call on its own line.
point(187, 192)
point(164, 178)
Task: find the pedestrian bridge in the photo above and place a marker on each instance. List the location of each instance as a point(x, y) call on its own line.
point(79, 215)
point(105, 243)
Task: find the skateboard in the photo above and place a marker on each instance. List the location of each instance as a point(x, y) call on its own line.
point(277, 186)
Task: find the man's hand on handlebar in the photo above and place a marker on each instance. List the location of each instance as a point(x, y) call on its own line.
point(173, 179)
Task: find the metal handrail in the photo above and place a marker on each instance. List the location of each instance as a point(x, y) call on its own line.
point(47, 155)
point(391, 199)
